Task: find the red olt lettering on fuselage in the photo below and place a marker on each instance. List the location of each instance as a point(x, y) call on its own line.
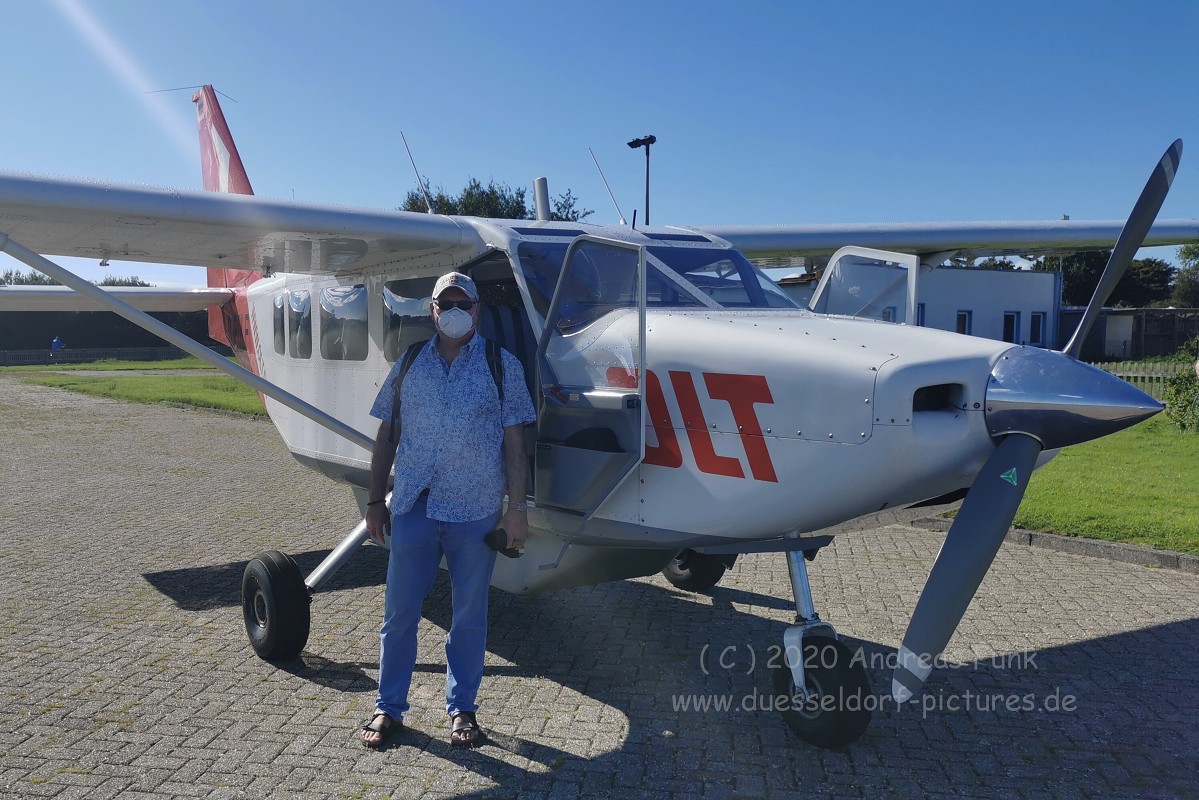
point(741, 392)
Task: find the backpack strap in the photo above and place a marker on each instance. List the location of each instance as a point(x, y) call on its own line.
point(495, 363)
point(405, 364)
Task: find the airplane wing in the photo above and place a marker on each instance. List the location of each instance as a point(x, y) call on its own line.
point(977, 239)
point(211, 229)
point(64, 298)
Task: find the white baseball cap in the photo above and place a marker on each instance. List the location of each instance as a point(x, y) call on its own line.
point(455, 280)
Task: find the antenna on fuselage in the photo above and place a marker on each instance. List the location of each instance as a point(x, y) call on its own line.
point(605, 180)
point(419, 182)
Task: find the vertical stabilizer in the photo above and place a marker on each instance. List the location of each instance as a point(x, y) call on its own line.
point(223, 172)
point(219, 160)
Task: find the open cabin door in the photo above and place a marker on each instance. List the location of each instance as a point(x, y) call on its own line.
point(590, 364)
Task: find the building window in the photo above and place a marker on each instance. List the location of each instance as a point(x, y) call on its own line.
point(1036, 333)
point(889, 313)
point(299, 324)
point(920, 314)
point(1011, 326)
point(343, 323)
point(965, 322)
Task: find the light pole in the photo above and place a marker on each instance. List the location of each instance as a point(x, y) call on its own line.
point(645, 141)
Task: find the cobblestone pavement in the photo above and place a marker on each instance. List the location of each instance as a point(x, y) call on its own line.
point(125, 670)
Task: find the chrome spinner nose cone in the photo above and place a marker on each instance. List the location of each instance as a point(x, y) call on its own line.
point(1060, 401)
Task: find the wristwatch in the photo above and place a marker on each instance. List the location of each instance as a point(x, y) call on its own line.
point(519, 505)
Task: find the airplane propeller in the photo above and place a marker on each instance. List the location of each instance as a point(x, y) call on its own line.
point(1035, 400)
point(1134, 232)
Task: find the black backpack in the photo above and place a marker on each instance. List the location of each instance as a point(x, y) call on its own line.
point(495, 363)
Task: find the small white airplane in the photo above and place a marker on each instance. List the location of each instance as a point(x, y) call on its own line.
point(688, 410)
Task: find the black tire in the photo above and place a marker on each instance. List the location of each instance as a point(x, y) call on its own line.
point(694, 572)
point(838, 712)
point(275, 605)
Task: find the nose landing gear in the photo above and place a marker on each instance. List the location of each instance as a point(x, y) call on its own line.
point(827, 688)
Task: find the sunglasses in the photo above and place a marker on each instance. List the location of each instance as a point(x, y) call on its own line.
point(446, 305)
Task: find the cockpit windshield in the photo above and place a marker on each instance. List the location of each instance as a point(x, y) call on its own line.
point(678, 277)
point(725, 276)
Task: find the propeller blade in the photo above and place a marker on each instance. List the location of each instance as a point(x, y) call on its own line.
point(1134, 232)
point(973, 540)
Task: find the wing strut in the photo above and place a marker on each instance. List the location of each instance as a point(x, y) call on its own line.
point(186, 343)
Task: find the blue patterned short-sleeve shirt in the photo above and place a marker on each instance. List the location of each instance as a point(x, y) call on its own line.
point(452, 430)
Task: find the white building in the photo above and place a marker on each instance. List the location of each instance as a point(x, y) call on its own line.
point(1019, 306)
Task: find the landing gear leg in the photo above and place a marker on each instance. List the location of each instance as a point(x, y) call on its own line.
point(829, 691)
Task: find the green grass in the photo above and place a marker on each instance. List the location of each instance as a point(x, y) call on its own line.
point(111, 365)
point(204, 391)
point(1139, 486)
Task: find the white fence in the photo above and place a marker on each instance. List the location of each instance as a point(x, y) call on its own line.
point(1148, 376)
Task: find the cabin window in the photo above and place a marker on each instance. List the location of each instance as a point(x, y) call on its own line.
point(406, 309)
point(343, 323)
point(299, 324)
point(280, 326)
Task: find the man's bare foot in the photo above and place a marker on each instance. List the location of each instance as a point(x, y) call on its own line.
point(374, 734)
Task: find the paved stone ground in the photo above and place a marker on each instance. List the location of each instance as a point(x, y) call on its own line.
point(125, 671)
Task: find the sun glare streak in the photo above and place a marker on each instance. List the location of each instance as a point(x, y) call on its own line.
point(122, 66)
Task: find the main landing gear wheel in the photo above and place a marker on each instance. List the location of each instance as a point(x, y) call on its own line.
point(695, 572)
point(837, 709)
point(275, 604)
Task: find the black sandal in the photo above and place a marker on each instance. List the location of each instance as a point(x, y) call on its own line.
point(465, 730)
point(385, 731)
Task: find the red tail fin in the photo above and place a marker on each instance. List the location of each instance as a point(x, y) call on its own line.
point(223, 172)
point(221, 164)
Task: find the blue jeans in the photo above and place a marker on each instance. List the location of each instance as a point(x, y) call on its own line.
point(417, 545)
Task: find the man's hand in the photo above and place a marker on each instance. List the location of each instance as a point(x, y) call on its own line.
point(377, 521)
point(516, 523)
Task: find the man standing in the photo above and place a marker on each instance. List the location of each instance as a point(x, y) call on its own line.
point(460, 445)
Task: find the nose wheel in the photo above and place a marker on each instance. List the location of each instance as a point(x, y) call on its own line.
point(828, 701)
point(832, 708)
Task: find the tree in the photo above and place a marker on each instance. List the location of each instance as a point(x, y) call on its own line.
point(1146, 282)
point(493, 201)
point(1186, 280)
point(11, 277)
point(1186, 287)
point(995, 263)
point(565, 211)
point(132, 280)
point(1080, 274)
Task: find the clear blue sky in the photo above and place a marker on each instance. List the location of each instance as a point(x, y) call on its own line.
point(765, 112)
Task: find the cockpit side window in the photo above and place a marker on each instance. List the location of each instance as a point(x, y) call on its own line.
point(542, 264)
point(723, 275)
point(702, 276)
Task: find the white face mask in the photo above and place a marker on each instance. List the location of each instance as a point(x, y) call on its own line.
point(455, 323)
